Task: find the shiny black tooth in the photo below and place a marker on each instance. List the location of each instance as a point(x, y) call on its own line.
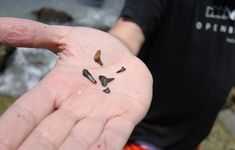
point(107, 90)
point(121, 70)
point(104, 80)
point(88, 75)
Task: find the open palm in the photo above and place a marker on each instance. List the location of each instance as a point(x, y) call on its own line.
point(66, 110)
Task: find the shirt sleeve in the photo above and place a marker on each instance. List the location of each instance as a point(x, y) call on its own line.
point(145, 13)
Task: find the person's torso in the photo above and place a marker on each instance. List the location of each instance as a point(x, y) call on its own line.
point(192, 59)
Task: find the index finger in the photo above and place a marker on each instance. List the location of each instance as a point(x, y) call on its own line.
point(24, 115)
point(28, 33)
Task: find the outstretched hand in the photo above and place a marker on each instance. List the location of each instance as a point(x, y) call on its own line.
point(65, 110)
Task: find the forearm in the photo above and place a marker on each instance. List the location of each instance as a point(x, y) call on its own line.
point(128, 33)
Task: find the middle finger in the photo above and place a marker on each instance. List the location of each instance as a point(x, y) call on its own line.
point(51, 131)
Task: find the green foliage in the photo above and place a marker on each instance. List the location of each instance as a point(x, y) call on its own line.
point(5, 102)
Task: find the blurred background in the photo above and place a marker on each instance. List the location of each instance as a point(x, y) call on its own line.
point(22, 68)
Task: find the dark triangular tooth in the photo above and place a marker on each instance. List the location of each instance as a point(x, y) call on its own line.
point(121, 70)
point(88, 75)
point(104, 80)
point(107, 90)
point(110, 79)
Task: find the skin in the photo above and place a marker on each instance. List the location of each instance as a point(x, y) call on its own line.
point(129, 33)
point(66, 111)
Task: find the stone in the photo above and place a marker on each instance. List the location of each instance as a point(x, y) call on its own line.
point(51, 15)
point(27, 68)
point(6, 55)
point(230, 101)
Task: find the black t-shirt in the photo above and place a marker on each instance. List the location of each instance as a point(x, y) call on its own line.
point(190, 51)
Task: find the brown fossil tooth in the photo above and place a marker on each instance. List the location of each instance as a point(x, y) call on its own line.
point(88, 75)
point(104, 80)
point(107, 90)
point(97, 57)
point(121, 70)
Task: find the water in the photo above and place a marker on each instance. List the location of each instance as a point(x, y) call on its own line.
point(30, 65)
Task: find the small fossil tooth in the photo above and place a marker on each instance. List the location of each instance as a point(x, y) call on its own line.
point(104, 80)
point(107, 90)
point(88, 75)
point(121, 70)
point(97, 57)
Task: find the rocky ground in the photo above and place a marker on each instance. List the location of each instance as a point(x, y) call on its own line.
point(219, 139)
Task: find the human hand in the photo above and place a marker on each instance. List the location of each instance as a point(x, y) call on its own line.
point(65, 110)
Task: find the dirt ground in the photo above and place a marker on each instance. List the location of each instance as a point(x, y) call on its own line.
point(219, 138)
